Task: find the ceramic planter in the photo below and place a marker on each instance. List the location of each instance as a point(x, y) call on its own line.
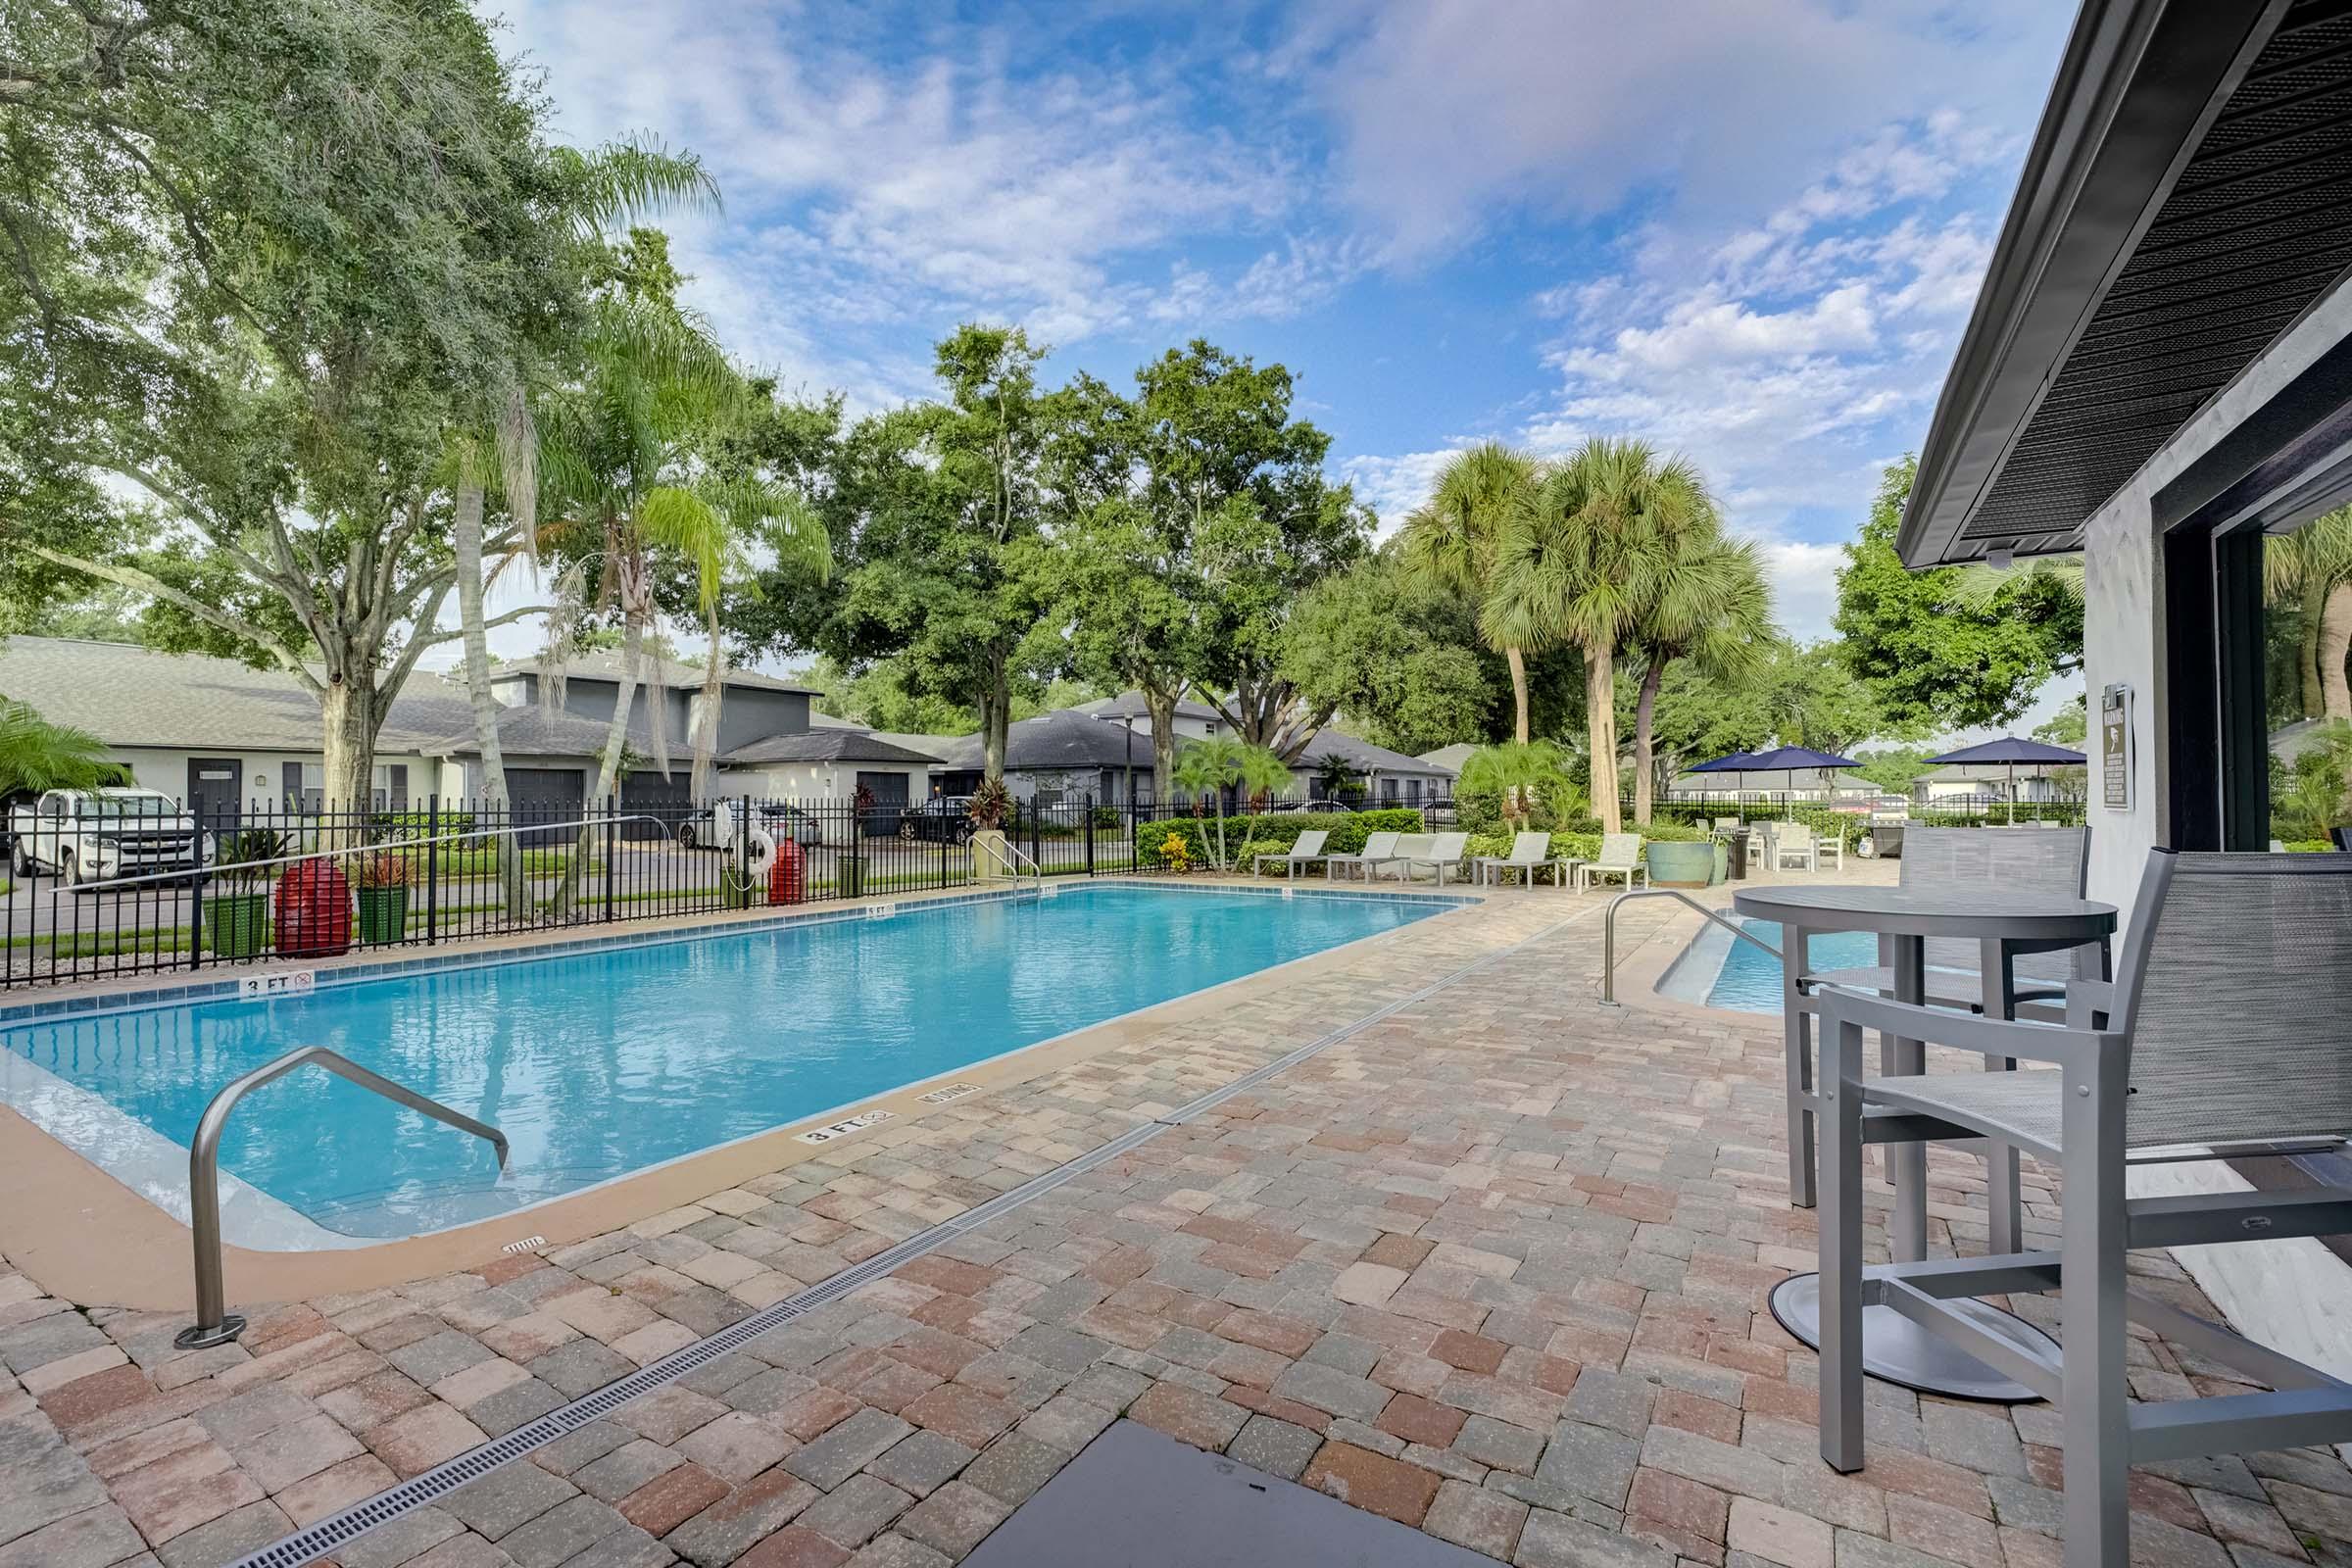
point(1681, 865)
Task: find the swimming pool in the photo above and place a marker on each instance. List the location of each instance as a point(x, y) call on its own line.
point(603, 1062)
point(1722, 972)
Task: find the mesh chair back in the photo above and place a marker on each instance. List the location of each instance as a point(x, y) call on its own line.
point(2235, 988)
point(2003, 859)
point(1309, 844)
point(1529, 848)
point(1379, 844)
point(1619, 849)
point(1448, 846)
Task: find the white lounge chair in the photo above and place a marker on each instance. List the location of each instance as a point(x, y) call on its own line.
point(1531, 856)
point(1444, 856)
point(1305, 851)
point(1408, 848)
point(1620, 856)
point(1377, 847)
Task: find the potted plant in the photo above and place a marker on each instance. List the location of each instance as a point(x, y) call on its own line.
point(383, 900)
point(992, 801)
point(236, 906)
point(1679, 862)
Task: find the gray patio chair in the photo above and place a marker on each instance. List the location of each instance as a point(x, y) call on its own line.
point(1377, 847)
point(2228, 1025)
point(1407, 847)
point(1793, 841)
point(1935, 859)
point(1443, 855)
point(1306, 851)
point(1530, 857)
point(1620, 856)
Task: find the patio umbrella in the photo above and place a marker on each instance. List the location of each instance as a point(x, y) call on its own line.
point(1788, 759)
point(2011, 753)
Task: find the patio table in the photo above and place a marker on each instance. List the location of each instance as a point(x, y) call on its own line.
point(2006, 926)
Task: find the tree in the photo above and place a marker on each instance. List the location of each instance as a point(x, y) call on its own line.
point(1700, 715)
point(1812, 700)
point(2068, 726)
point(1521, 775)
point(36, 754)
point(2312, 568)
point(1893, 768)
point(255, 255)
point(1934, 655)
point(1711, 605)
point(1580, 561)
point(1215, 765)
point(1396, 653)
point(1451, 539)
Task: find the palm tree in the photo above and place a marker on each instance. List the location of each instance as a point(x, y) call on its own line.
point(36, 754)
point(1520, 774)
point(1711, 605)
point(1582, 557)
point(2313, 566)
point(1451, 539)
point(1212, 766)
point(1977, 586)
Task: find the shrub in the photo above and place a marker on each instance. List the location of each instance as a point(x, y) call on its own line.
point(1274, 833)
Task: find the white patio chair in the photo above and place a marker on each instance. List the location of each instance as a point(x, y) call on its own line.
point(2228, 1025)
point(1793, 842)
point(1306, 851)
point(1377, 847)
point(1830, 848)
point(1620, 856)
point(1407, 847)
point(1443, 855)
point(1530, 857)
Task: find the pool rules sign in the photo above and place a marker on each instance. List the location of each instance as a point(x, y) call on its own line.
point(2114, 748)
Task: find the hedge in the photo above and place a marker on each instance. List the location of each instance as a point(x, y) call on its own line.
point(1271, 834)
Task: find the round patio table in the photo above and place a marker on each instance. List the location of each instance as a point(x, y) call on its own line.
point(2005, 925)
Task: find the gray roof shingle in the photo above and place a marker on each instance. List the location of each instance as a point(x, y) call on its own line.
point(828, 745)
point(603, 663)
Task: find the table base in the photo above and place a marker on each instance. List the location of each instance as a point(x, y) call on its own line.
point(1898, 1351)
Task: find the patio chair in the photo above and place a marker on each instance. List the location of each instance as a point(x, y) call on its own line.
point(1306, 851)
point(1935, 859)
point(2228, 1025)
point(1830, 848)
point(1443, 855)
point(1726, 824)
point(1620, 856)
point(1377, 847)
point(1531, 855)
point(1402, 848)
point(1793, 841)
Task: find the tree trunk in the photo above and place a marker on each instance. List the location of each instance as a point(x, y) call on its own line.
point(995, 716)
point(1162, 706)
point(2315, 608)
point(2336, 639)
point(1518, 663)
point(607, 773)
point(468, 541)
point(1600, 733)
point(1645, 766)
point(347, 712)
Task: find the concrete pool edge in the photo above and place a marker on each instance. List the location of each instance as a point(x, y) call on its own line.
point(145, 1262)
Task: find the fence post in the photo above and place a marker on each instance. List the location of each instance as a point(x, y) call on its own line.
point(743, 850)
point(611, 857)
point(196, 882)
point(1090, 834)
point(432, 869)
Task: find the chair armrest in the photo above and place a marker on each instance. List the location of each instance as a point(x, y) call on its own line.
point(1966, 1031)
point(2087, 1000)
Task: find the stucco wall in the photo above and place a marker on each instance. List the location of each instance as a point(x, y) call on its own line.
point(2122, 632)
point(165, 768)
point(820, 781)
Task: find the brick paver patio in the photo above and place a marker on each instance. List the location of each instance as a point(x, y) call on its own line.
point(1493, 1267)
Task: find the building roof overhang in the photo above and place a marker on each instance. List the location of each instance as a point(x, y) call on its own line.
point(2186, 198)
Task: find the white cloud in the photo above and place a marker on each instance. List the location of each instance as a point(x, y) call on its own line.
point(1804, 586)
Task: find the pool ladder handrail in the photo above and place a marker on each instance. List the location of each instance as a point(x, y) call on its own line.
point(215, 1323)
point(1014, 860)
point(1609, 934)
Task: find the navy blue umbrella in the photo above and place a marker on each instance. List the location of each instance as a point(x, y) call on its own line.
point(2011, 753)
point(1789, 760)
point(1731, 764)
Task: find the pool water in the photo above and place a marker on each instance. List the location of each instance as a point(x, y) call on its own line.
point(1750, 978)
point(599, 1063)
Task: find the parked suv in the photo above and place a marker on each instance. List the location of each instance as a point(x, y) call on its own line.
point(97, 835)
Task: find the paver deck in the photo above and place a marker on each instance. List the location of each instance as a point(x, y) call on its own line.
point(1493, 1266)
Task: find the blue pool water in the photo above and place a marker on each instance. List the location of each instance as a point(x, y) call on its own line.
point(1750, 977)
point(599, 1063)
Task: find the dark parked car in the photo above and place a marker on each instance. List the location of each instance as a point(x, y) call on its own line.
point(941, 819)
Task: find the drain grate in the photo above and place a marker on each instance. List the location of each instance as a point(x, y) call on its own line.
point(324, 1536)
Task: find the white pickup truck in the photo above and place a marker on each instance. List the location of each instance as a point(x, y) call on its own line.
point(97, 835)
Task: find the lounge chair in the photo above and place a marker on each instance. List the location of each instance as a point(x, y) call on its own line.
point(1442, 856)
point(1408, 846)
point(2223, 1029)
point(1620, 856)
point(1377, 847)
point(1306, 851)
point(1531, 855)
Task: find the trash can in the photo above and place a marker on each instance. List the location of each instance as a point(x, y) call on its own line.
point(1736, 839)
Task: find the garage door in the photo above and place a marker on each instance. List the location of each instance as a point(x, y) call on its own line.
point(889, 791)
point(670, 799)
point(546, 795)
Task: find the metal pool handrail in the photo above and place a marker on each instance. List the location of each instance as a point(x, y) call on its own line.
point(1609, 934)
point(215, 1323)
point(1013, 858)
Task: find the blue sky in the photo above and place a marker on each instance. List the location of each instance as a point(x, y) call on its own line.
point(1748, 229)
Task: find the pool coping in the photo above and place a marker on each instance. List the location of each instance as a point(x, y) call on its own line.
point(145, 1264)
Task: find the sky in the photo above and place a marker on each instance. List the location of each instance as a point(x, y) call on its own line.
point(1750, 230)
